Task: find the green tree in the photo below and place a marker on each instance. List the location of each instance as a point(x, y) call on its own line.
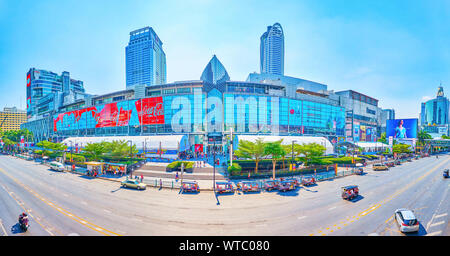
point(310, 151)
point(445, 137)
point(276, 151)
point(382, 138)
point(422, 136)
point(401, 148)
point(50, 146)
point(251, 150)
point(120, 148)
point(95, 150)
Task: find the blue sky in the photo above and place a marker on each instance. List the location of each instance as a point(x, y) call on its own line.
point(396, 51)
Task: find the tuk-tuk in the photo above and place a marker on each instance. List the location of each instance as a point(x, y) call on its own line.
point(271, 185)
point(445, 174)
point(249, 186)
point(224, 187)
point(359, 171)
point(190, 186)
point(308, 180)
point(389, 164)
point(294, 180)
point(349, 192)
point(397, 162)
point(286, 185)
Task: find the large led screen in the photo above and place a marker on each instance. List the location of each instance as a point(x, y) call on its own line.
point(401, 128)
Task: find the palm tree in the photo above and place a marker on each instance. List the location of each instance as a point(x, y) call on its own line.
point(422, 136)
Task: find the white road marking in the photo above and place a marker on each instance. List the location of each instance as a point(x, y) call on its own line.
point(440, 215)
point(373, 234)
point(3, 228)
point(302, 217)
point(437, 223)
point(334, 207)
point(73, 234)
point(434, 233)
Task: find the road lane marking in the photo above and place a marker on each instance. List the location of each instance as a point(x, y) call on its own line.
point(391, 197)
point(3, 228)
point(434, 233)
point(64, 212)
point(437, 223)
point(440, 215)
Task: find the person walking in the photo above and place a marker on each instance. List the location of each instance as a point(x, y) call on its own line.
point(142, 177)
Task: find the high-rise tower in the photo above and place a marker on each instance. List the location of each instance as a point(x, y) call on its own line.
point(145, 58)
point(272, 50)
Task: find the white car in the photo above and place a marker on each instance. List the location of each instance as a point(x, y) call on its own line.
point(407, 221)
point(57, 166)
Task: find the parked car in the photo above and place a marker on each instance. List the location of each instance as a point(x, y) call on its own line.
point(57, 166)
point(308, 181)
point(190, 186)
point(286, 185)
point(271, 185)
point(407, 221)
point(376, 167)
point(390, 164)
point(249, 186)
point(224, 187)
point(132, 183)
point(359, 171)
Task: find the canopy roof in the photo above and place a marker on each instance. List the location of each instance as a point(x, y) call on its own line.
point(287, 140)
point(371, 144)
point(151, 142)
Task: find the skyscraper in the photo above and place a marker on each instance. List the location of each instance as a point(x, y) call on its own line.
point(43, 86)
point(145, 58)
point(272, 50)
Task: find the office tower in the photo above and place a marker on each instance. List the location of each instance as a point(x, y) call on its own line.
point(272, 50)
point(145, 58)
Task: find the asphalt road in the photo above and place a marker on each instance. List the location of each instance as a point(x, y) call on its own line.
point(64, 204)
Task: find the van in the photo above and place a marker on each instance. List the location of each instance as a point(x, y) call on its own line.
point(57, 166)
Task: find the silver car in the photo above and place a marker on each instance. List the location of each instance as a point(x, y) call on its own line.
point(407, 221)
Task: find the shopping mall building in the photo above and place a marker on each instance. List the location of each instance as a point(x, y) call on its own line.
point(201, 112)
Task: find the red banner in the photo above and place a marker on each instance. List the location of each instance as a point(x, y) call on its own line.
point(150, 111)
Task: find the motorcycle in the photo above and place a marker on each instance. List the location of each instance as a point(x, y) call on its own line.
point(23, 223)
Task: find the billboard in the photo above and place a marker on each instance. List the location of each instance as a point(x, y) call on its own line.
point(133, 112)
point(402, 128)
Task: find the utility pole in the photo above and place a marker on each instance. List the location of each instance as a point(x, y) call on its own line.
point(214, 166)
point(231, 146)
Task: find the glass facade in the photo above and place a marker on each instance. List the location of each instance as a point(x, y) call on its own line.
point(43, 84)
point(145, 58)
point(202, 113)
point(435, 111)
point(272, 50)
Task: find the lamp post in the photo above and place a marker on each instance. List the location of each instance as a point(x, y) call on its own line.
point(292, 155)
point(214, 166)
point(131, 156)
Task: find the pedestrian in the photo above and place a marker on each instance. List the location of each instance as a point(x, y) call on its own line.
point(176, 176)
point(73, 167)
point(160, 183)
point(142, 177)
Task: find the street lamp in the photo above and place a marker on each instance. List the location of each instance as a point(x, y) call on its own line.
point(131, 157)
point(214, 165)
point(292, 152)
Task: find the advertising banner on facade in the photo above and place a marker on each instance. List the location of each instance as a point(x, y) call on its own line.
point(402, 128)
point(150, 110)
